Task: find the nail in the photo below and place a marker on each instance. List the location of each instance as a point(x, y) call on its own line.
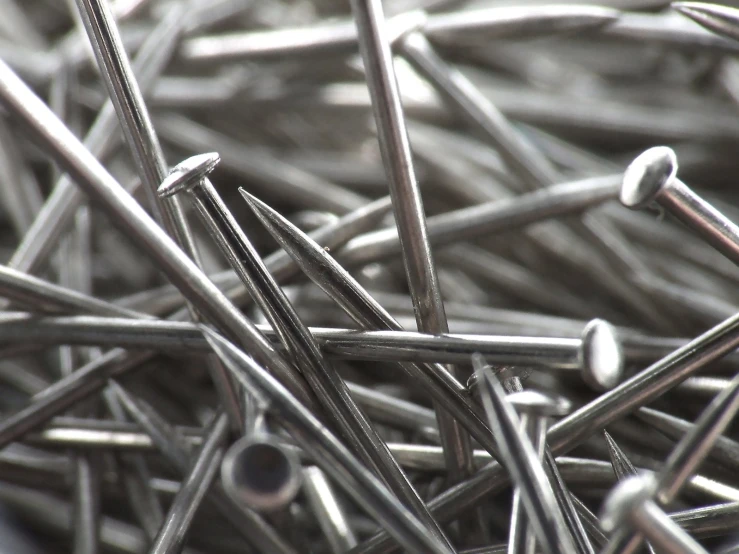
point(522, 463)
point(725, 450)
point(326, 383)
point(722, 20)
point(335, 281)
point(534, 409)
point(652, 177)
point(41, 295)
point(193, 490)
point(65, 197)
point(258, 472)
point(328, 511)
point(339, 38)
point(692, 449)
point(630, 503)
point(176, 451)
point(488, 218)
point(645, 385)
point(407, 205)
point(479, 112)
point(142, 141)
point(315, 438)
point(596, 355)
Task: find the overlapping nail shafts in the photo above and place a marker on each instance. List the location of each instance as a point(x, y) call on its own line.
point(401, 290)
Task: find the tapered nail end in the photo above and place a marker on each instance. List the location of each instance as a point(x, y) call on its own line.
point(722, 20)
point(602, 363)
point(647, 176)
point(188, 174)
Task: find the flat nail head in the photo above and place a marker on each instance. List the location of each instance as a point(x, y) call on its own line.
point(188, 173)
point(624, 499)
point(538, 404)
point(647, 176)
point(602, 356)
point(258, 472)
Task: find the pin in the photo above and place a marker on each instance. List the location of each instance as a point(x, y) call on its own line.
point(192, 492)
point(356, 302)
point(341, 37)
point(61, 204)
point(248, 524)
point(689, 453)
point(534, 409)
point(722, 20)
point(524, 467)
point(259, 473)
point(631, 503)
point(652, 177)
point(325, 449)
point(325, 382)
point(488, 218)
point(328, 510)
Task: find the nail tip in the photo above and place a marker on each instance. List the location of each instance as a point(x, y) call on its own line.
point(721, 20)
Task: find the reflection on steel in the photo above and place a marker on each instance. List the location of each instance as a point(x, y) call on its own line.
point(349, 277)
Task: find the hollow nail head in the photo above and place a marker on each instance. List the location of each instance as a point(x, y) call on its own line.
point(647, 176)
point(602, 363)
point(188, 174)
point(258, 472)
point(625, 500)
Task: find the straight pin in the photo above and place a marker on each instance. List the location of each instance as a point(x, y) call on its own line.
point(522, 462)
point(326, 383)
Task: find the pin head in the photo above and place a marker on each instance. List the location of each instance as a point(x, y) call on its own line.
point(624, 499)
point(647, 175)
point(538, 404)
point(188, 174)
point(602, 360)
point(260, 473)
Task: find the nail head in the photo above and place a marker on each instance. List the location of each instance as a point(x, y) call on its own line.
point(188, 173)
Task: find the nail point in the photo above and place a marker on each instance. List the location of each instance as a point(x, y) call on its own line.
point(602, 355)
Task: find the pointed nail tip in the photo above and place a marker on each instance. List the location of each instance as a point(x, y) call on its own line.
point(647, 176)
point(256, 205)
point(722, 20)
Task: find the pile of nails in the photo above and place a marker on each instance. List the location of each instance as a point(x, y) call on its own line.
point(323, 277)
